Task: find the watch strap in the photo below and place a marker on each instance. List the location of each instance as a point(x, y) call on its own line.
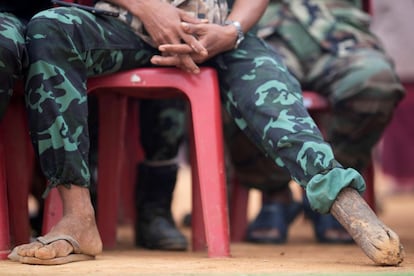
point(240, 34)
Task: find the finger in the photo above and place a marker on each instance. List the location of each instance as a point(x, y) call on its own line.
point(186, 17)
point(197, 46)
point(172, 49)
point(175, 49)
point(165, 60)
point(183, 62)
point(181, 49)
point(189, 64)
point(189, 28)
point(190, 37)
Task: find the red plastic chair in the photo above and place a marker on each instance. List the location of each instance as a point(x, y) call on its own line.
point(209, 194)
point(210, 225)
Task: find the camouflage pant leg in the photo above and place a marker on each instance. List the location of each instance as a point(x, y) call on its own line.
point(252, 168)
point(265, 102)
point(343, 61)
point(356, 75)
point(13, 57)
point(65, 47)
point(364, 91)
point(163, 126)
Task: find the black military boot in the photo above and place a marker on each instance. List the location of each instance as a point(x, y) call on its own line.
point(155, 227)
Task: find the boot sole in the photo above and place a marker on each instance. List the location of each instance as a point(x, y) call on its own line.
point(164, 245)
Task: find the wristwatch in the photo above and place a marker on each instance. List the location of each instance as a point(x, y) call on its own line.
point(240, 34)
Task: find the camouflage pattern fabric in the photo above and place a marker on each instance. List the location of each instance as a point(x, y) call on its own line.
point(13, 56)
point(213, 10)
point(260, 95)
point(163, 127)
point(328, 47)
point(56, 83)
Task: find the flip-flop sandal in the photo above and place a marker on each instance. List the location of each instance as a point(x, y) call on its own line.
point(76, 256)
point(323, 223)
point(273, 216)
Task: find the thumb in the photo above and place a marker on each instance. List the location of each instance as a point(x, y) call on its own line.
point(191, 18)
point(191, 29)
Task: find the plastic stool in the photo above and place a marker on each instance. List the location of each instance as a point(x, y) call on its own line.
point(210, 227)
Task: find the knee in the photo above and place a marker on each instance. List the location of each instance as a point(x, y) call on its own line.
point(13, 59)
point(49, 23)
point(12, 52)
point(371, 86)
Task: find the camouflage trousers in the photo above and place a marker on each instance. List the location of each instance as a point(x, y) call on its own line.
point(163, 128)
point(66, 46)
point(355, 75)
point(13, 56)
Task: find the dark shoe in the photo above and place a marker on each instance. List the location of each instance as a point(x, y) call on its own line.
point(159, 232)
point(155, 227)
point(327, 228)
point(271, 224)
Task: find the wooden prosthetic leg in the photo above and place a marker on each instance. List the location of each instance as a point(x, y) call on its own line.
point(379, 242)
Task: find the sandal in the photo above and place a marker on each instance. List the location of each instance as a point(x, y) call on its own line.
point(271, 224)
point(327, 229)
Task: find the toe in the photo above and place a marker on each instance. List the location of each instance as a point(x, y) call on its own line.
point(28, 250)
point(59, 248)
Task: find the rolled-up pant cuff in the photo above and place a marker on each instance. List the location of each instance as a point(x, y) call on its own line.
point(323, 189)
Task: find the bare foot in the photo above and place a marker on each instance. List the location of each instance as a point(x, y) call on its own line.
point(82, 228)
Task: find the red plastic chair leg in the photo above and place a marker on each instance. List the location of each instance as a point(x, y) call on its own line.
point(238, 211)
point(4, 210)
point(53, 211)
point(127, 212)
point(112, 117)
point(208, 168)
point(19, 169)
point(369, 194)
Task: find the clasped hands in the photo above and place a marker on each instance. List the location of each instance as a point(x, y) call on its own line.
point(211, 39)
